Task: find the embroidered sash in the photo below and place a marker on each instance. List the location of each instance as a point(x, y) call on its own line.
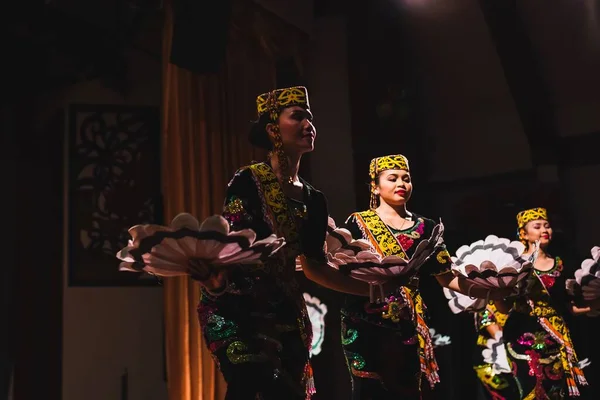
point(274, 202)
point(376, 231)
point(556, 327)
point(385, 243)
point(276, 209)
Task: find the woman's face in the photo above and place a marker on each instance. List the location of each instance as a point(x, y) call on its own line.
point(297, 130)
point(539, 229)
point(394, 187)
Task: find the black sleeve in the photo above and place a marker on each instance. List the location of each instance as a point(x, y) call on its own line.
point(243, 207)
point(352, 226)
point(315, 227)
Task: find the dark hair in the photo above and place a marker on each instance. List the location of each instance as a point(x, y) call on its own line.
point(258, 132)
point(376, 180)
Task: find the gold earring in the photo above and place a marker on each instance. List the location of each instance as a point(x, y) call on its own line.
point(281, 156)
point(374, 197)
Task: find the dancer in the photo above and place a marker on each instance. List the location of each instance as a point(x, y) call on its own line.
point(537, 338)
point(387, 343)
point(254, 319)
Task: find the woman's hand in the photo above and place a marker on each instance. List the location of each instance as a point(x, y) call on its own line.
point(213, 279)
point(326, 276)
point(575, 310)
point(461, 285)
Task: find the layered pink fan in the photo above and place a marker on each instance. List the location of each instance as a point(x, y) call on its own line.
point(370, 267)
point(587, 278)
point(491, 263)
point(458, 302)
point(188, 248)
point(339, 240)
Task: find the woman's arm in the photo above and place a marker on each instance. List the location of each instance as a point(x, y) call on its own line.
point(326, 276)
point(492, 329)
point(575, 310)
point(587, 306)
point(242, 210)
point(445, 277)
point(442, 270)
point(314, 261)
point(461, 285)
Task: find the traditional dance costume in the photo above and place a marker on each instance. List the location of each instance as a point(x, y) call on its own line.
point(257, 327)
point(537, 339)
point(387, 344)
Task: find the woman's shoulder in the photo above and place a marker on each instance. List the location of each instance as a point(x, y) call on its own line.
point(244, 172)
point(363, 214)
point(311, 189)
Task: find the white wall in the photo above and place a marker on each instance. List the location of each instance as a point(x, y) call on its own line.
point(108, 330)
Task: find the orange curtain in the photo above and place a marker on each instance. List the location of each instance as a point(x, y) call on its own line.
point(204, 140)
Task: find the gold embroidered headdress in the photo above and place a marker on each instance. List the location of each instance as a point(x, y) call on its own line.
point(274, 101)
point(529, 215)
point(270, 104)
point(532, 214)
point(381, 164)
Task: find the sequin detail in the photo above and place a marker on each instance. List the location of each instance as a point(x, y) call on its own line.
point(237, 353)
point(356, 360)
point(235, 212)
point(443, 257)
point(349, 337)
point(217, 328)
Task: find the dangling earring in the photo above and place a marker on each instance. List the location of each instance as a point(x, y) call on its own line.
point(373, 202)
point(284, 164)
point(522, 240)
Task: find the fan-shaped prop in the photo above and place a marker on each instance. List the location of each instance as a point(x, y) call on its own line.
point(587, 278)
point(493, 263)
point(458, 302)
point(438, 339)
point(339, 240)
point(370, 267)
point(495, 354)
point(316, 312)
point(188, 248)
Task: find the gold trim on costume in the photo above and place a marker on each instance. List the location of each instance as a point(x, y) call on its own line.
point(381, 238)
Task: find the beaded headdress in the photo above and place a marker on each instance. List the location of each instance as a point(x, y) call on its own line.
point(532, 214)
point(529, 215)
point(272, 102)
point(381, 164)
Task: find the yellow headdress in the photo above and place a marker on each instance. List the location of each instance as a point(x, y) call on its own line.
point(272, 102)
point(381, 164)
point(532, 214)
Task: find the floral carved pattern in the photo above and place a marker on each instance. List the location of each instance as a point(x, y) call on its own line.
point(114, 183)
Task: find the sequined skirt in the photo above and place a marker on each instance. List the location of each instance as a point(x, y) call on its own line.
point(388, 358)
point(536, 356)
point(257, 339)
